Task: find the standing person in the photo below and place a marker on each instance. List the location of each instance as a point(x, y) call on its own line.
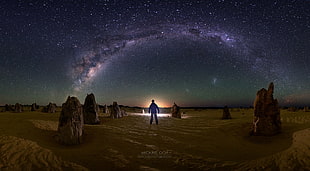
point(153, 109)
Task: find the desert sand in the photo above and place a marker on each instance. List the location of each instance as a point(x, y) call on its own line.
point(199, 141)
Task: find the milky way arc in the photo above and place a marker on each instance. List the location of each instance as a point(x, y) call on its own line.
point(94, 57)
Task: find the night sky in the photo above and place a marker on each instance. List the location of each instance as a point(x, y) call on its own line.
point(194, 53)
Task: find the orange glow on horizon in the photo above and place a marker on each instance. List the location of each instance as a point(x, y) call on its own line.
point(160, 103)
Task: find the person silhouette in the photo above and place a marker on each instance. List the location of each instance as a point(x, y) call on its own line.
point(153, 109)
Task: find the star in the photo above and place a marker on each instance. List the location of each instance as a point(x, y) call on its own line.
point(131, 50)
point(214, 81)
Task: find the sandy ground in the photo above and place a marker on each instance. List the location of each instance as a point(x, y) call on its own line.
point(199, 141)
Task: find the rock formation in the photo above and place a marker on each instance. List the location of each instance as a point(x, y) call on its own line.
point(90, 110)
point(226, 113)
point(98, 108)
point(292, 109)
point(123, 113)
point(115, 111)
point(9, 108)
point(266, 119)
point(105, 109)
point(50, 108)
point(34, 107)
point(18, 108)
point(175, 111)
point(70, 127)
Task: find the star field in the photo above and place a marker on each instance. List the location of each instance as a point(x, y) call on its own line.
point(194, 53)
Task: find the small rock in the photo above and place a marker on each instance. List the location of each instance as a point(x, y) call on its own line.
point(33, 107)
point(115, 111)
point(50, 108)
point(226, 113)
point(106, 109)
point(9, 108)
point(175, 111)
point(292, 109)
point(18, 108)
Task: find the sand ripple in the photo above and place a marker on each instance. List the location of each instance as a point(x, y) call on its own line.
point(21, 154)
point(297, 157)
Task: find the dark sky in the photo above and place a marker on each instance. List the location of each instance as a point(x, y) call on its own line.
point(194, 53)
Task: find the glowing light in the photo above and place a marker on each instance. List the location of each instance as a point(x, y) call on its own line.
point(159, 101)
point(131, 42)
point(149, 115)
point(91, 72)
